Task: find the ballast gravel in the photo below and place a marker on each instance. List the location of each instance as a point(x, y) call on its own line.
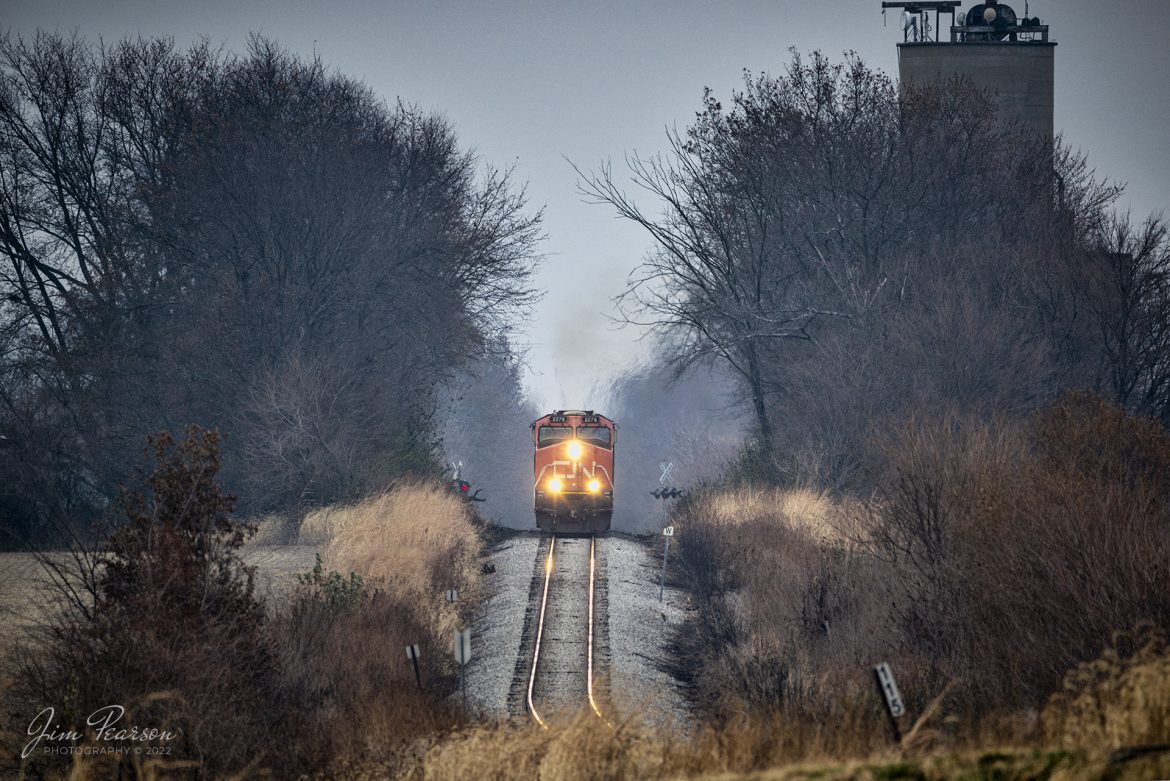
point(639, 627)
point(498, 624)
point(630, 680)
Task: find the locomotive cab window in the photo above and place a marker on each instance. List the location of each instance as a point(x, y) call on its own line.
point(551, 435)
point(598, 436)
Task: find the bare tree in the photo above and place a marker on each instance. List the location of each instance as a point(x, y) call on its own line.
point(182, 230)
point(728, 276)
point(854, 252)
point(1133, 313)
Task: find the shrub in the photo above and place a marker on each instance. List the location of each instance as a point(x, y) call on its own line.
point(166, 624)
point(785, 617)
point(1018, 548)
point(344, 674)
point(995, 557)
point(162, 620)
point(378, 587)
point(331, 590)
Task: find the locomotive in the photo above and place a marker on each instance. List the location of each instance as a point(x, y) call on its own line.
point(573, 470)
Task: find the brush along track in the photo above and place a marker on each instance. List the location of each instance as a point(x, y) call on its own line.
point(565, 635)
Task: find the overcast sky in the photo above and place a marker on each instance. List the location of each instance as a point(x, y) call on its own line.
point(533, 83)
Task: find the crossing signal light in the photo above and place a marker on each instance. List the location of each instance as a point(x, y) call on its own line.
point(463, 488)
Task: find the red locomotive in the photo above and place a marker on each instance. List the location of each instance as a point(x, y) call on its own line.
point(573, 470)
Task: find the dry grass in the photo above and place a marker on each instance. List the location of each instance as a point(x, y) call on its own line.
point(804, 510)
point(1120, 699)
point(272, 529)
point(413, 543)
point(323, 524)
point(585, 749)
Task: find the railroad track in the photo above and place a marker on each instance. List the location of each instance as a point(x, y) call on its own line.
point(561, 676)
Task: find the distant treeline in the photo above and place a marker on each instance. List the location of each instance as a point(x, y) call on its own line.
point(856, 255)
point(252, 242)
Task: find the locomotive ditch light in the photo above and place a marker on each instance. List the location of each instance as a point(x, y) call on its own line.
point(594, 486)
point(574, 449)
point(554, 485)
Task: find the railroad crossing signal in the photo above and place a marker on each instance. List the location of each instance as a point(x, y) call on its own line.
point(668, 493)
point(463, 488)
point(667, 468)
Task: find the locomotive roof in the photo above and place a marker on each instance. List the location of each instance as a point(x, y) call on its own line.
point(574, 412)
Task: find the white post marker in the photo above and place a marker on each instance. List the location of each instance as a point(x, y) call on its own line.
point(412, 654)
point(463, 646)
point(888, 688)
point(668, 532)
point(452, 595)
point(463, 656)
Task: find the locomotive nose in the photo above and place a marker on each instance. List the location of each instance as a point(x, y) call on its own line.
point(574, 449)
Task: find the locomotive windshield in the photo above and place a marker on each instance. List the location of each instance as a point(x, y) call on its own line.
point(551, 435)
point(594, 435)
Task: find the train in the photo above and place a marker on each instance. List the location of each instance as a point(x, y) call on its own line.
point(573, 471)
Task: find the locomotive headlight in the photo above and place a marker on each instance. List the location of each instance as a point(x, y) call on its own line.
point(594, 486)
point(574, 450)
point(554, 485)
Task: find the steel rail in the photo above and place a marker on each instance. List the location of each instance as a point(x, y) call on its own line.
point(589, 657)
point(548, 570)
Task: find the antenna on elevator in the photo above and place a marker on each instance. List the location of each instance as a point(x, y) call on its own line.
point(916, 27)
point(989, 21)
